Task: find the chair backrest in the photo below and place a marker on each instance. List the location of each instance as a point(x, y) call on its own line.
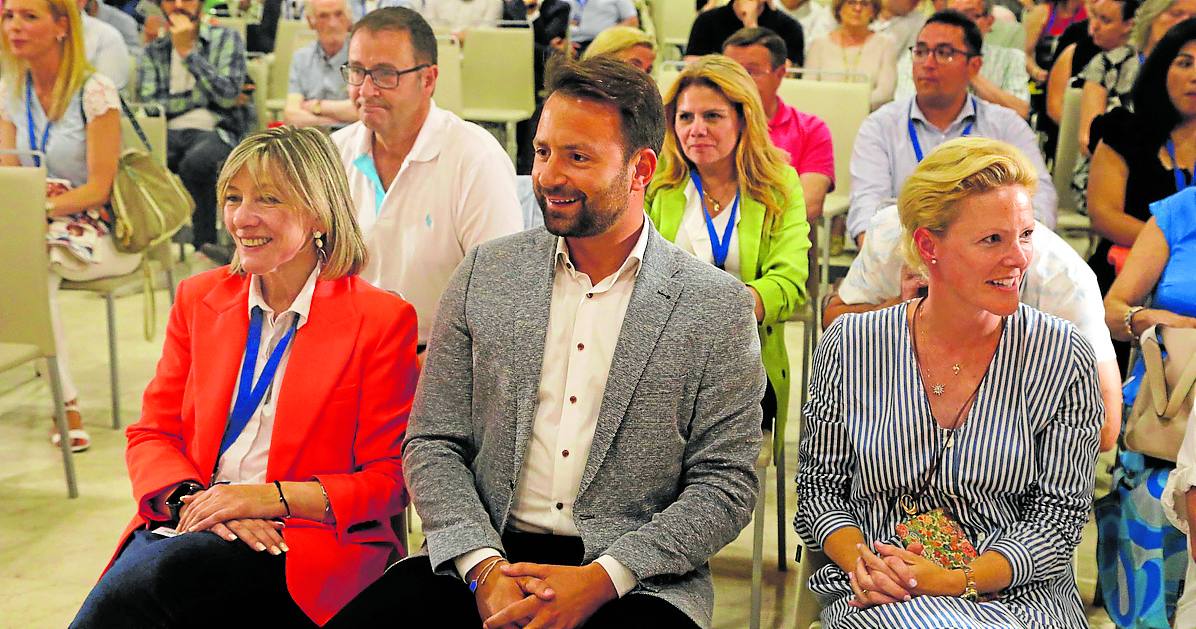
point(25, 307)
point(291, 36)
point(497, 67)
point(1067, 149)
point(666, 73)
point(154, 128)
point(258, 69)
point(673, 20)
point(842, 106)
point(448, 80)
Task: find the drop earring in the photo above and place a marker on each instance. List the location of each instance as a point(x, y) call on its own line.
point(319, 238)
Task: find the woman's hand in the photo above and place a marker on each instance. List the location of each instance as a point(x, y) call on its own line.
point(928, 578)
point(880, 581)
point(1155, 316)
point(260, 535)
point(222, 503)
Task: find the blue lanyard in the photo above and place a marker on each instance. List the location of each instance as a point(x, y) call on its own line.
point(913, 133)
point(1181, 180)
point(33, 146)
point(249, 395)
point(719, 247)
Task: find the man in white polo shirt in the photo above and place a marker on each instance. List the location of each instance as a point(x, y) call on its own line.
point(427, 185)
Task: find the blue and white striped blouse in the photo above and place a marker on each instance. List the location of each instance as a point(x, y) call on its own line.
point(1018, 477)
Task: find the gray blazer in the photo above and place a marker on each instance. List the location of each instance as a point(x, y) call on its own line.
point(670, 477)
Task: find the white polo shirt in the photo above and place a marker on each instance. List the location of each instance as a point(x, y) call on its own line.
point(1057, 282)
point(454, 191)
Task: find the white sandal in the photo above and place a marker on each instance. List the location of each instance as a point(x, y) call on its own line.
point(80, 440)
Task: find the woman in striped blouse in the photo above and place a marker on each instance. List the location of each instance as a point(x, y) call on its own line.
point(963, 400)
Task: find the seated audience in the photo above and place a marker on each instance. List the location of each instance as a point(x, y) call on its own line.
point(711, 28)
point(525, 478)
point(1073, 50)
point(854, 49)
point(258, 523)
point(104, 47)
point(1007, 33)
point(1156, 224)
point(966, 378)
point(591, 17)
point(121, 21)
point(896, 137)
point(52, 102)
point(814, 16)
point(1057, 282)
point(195, 74)
point(805, 138)
point(1044, 24)
point(427, 186)
point(625, 43)
point(753, 226)
point(1002, 78)
point(901, 20)
point(458, 16)
point(550, 25)
point(1147, 154)
point(317, 95)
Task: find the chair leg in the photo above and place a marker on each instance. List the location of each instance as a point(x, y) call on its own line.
point(758, 548)
point(113, 371)
point(779, 461)
point(512, 146)
point(68, 457)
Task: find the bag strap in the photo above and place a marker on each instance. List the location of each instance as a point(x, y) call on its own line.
point(1156, 378)
point(1180, 392)
point(133, 121)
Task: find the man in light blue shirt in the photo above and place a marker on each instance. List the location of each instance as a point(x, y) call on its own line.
point(894, 139)
point(590, 17)
point(317, 95)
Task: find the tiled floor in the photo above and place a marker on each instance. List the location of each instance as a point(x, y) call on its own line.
point(52, 549)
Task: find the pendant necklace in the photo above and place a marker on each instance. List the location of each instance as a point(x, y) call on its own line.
point(939, 388)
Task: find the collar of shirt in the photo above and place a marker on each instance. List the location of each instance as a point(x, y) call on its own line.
point(633, 262)
point(784, 117)
point(427, 144)
point(301, 306)
point(967, 113)
point(341, 55)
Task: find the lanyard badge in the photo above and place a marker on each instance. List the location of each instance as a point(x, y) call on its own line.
point(719, 247)
point(249, 394)
point(33, 146)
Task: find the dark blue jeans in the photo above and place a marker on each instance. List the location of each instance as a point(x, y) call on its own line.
point(192, 580)
point(196, 156)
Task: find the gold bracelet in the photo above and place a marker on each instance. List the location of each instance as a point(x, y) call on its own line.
point(1129, 322)
point(969, 588)
point(327, 502)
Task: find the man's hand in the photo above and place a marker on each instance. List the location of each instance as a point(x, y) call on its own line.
point(501, 591)
point(911, 283)
point(579, 592)
point(183, 31)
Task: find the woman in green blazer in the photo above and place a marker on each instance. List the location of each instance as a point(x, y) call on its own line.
point(726, 194)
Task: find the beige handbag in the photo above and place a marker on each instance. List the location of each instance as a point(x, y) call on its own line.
point(1160, 414)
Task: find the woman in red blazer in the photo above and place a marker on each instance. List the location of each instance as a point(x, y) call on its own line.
point(270, 435)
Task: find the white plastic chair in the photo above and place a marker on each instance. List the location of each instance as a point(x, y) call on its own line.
point(497, 67)
point(290, 36)
point(25, 331)
point(673, 20)
point(448, 93)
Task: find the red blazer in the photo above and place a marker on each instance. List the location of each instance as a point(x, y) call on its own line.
point(341, 416)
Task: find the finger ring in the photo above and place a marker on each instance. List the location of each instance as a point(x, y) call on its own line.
point(863, 593)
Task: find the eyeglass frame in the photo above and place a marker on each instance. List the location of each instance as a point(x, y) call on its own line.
point(967, 54)
point(369, 72)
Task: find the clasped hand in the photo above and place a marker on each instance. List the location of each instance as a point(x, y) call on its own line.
point(540, 596)
point(233, 512)
point(894, 574)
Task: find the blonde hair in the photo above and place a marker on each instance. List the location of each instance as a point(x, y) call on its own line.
point(1144, 19)
point(759, 164)
point(73, 68)
point(954, 171)
point(301, 166)
point(616, 39)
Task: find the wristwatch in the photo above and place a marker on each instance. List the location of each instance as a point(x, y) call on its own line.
point(969, 588)
point(1129, 321)
point(174, 502)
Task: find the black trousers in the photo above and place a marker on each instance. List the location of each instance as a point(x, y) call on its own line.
point(410, 594)
point(196, 156)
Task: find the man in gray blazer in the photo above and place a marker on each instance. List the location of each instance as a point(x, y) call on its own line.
point(590, 404)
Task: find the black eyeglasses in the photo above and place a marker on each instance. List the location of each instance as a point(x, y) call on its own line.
point(943, 53)
point(383, 78)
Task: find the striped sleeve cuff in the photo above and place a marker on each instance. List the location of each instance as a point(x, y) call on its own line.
point(828, 523)
point(1020, 558)
point(622, 578)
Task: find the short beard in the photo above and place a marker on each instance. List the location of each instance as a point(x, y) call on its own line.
point(597, 213)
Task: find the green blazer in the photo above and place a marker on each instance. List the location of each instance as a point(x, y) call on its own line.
point(772, 261)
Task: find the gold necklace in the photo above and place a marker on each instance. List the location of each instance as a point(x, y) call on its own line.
point(937, 388)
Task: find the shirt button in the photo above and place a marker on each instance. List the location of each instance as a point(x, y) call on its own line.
point(560, 505)
point(589, 295)
point(573, 399)
point(581, 346)
point(564, 453)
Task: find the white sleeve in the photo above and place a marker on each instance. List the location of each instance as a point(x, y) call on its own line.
point(875, 274)
point(99, 95)
point(1059, 282)
point(111, 56)
point(4, 88)
point(487, 205)
point(1181, 479)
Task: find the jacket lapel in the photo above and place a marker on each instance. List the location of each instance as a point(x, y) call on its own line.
point(751, 225)
point(223, 316)
point(318, 357)
point(652, 302)
point(531, 330)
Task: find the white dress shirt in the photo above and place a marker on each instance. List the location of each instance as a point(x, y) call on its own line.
point(1057, 282)
point(245, 460)
point(693, 237)
point(105, 50)
point(454, 190)
point(584, 323)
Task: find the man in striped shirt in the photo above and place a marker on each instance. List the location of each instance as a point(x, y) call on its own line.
point(196, 74)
